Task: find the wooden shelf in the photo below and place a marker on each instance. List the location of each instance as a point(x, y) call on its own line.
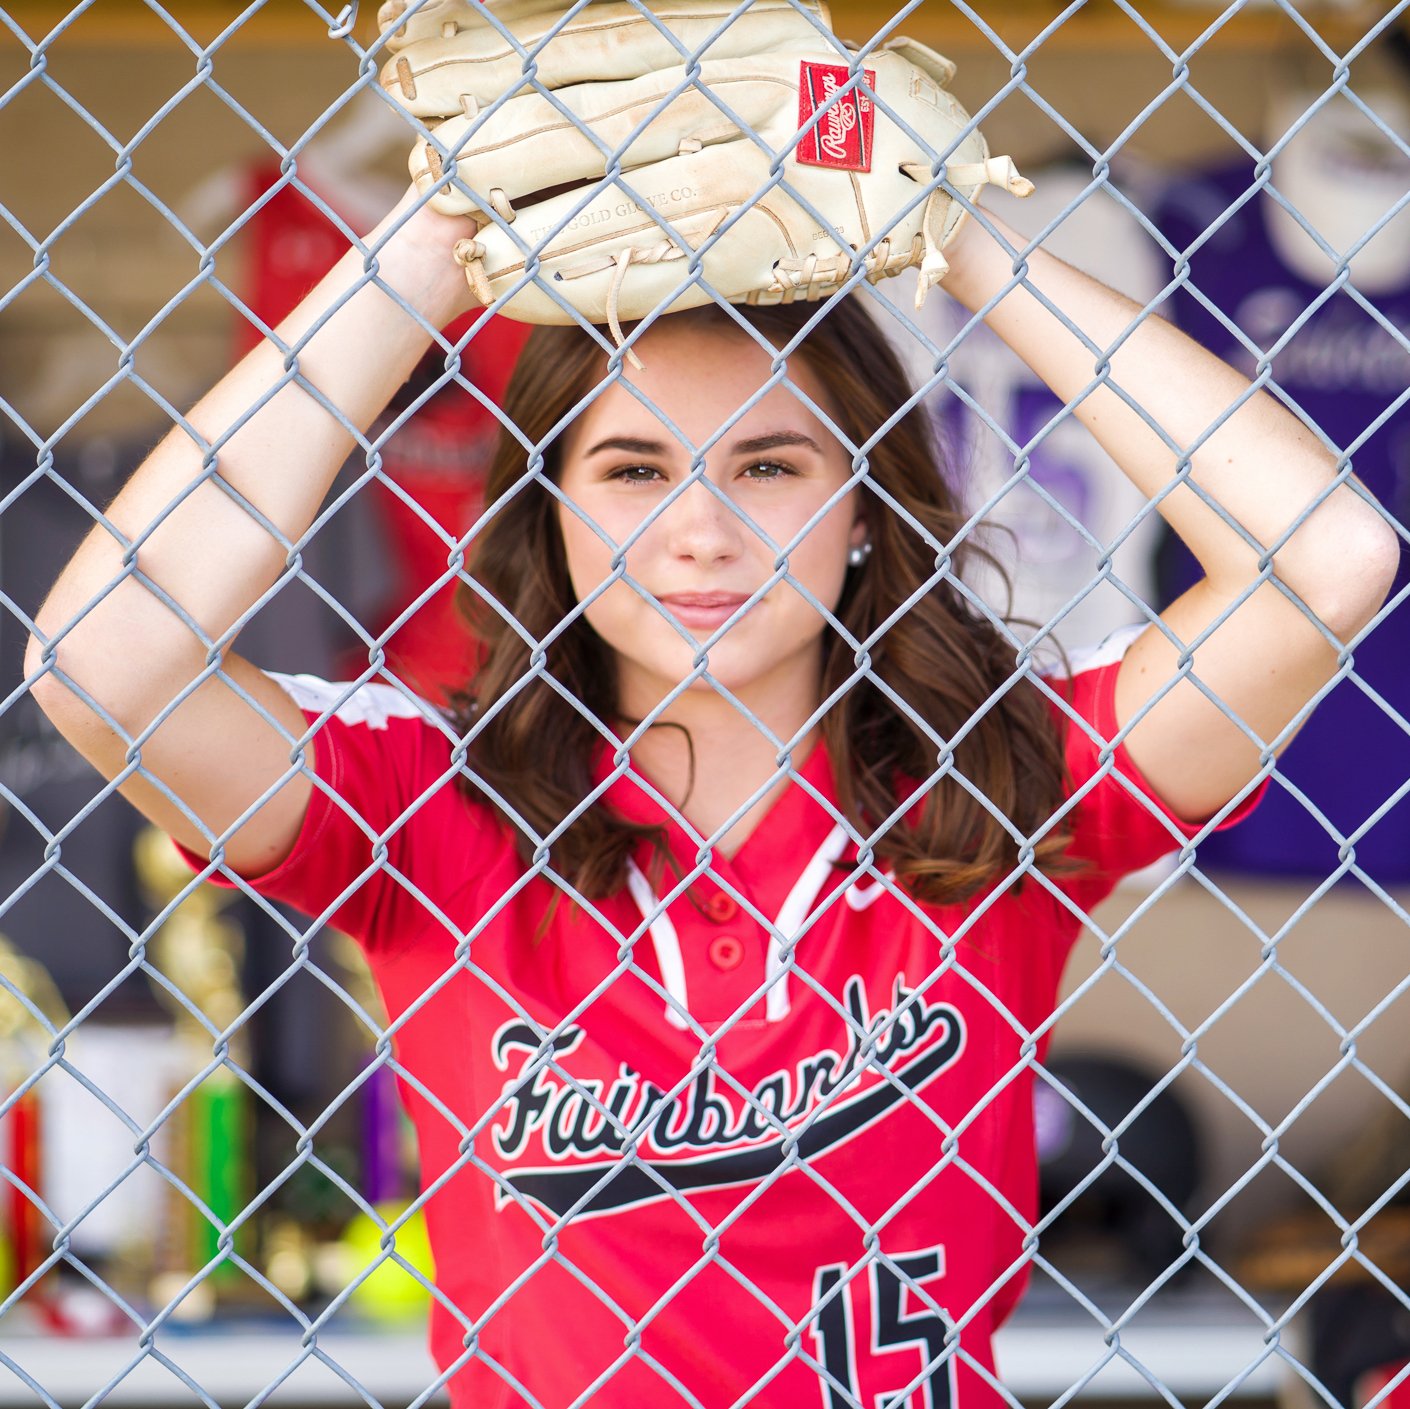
point(130, 22)
point(1099, 27)
point(1102, 27)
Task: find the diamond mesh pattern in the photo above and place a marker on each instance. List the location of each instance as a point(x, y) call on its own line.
point(237, 1246)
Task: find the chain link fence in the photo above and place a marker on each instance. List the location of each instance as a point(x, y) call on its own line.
point(210, 1197)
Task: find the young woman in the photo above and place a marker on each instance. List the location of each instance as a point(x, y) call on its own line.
point(722, 926)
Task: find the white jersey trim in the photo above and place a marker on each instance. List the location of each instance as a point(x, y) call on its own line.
point(784, 931)
point(371, 705)
point(790, 920)
point(1106, 653)
point(666, 943)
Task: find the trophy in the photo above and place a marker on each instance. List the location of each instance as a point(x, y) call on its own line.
point(30, 1012)
point(196, 953)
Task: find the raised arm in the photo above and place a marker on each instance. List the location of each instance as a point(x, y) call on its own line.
point(1265, 659)
point(107, 632)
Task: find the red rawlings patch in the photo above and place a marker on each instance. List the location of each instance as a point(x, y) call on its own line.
point(843, 134)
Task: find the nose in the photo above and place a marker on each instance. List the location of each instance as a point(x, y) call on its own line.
point(703, 525)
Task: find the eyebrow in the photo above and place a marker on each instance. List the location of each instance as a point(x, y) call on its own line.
point(753, 445)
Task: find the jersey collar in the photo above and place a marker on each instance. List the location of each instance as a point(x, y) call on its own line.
point(771, 858)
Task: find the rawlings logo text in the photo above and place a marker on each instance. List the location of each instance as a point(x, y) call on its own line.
point(841, 134)
point(838, 124)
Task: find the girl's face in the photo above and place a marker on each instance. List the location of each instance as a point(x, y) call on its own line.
point(706, 553)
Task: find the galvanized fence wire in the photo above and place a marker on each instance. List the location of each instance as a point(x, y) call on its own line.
point(793, 1335)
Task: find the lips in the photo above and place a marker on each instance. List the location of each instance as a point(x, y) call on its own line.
point(703, 609)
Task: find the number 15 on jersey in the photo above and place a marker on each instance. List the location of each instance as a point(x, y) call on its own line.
point(906, 1364)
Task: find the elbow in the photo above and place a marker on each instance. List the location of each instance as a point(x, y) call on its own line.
point(60, 682)
point(39, 673)
point(1357, 571)
point(34, 657)
point(46, 685)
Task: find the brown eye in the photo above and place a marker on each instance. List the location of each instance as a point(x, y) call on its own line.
point(769, 470)
point(636, 474)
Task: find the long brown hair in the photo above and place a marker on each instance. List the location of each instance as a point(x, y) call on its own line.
point(530, 750)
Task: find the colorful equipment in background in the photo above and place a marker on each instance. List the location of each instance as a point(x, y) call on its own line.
point(197, 952)
point(30, 1012)
point(389, 1292)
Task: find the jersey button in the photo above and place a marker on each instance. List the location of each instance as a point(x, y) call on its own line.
point(726, 952)
point(721, 909)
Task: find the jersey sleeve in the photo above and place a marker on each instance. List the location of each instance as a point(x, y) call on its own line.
point(1119, 824)
point(388, 836)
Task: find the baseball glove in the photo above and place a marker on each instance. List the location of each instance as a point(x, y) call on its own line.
point(697, 147)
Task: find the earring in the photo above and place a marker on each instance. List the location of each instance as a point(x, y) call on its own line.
point(858, 554)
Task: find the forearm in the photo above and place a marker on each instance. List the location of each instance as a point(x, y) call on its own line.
point(277, 441)
point(1261, 465)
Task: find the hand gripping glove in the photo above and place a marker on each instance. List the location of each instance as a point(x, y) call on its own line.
point(768, 96)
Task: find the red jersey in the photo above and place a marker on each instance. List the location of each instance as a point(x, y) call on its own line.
point(774, 1145)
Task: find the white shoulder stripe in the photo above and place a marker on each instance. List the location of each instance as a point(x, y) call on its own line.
point(1107, 653)
point(372, 705)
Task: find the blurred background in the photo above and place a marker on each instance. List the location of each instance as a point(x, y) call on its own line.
point(1240, 1025)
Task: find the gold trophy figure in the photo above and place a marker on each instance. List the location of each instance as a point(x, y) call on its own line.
point(198, 951)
